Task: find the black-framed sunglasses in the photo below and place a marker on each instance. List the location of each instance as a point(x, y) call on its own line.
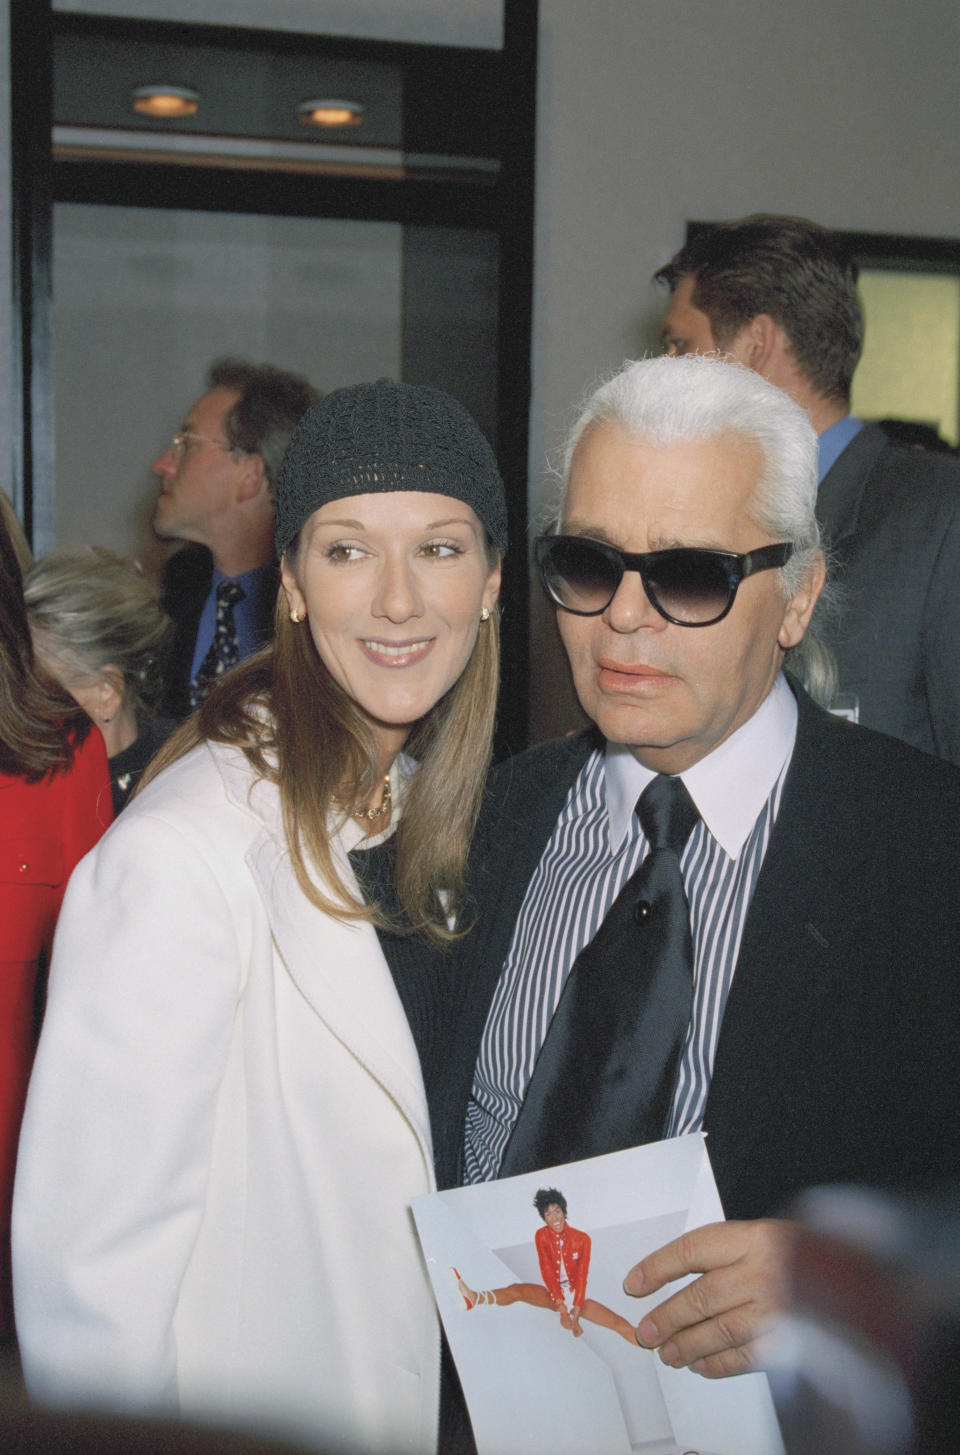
point(687, 585)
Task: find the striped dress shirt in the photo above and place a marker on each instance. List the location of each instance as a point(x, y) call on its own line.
point(596, 845)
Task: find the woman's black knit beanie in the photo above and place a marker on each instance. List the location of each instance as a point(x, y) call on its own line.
point(369, 438)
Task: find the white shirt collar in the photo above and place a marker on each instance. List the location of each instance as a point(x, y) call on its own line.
point(729, 786)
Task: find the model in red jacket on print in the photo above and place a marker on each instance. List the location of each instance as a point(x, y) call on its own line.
point(564, 1254)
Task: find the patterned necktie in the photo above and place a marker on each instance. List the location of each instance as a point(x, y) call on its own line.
point(224, 651)
point(605, 1075)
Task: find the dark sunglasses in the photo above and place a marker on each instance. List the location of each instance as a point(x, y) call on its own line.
point(687, 585)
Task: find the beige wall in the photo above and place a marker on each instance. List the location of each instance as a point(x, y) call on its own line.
point(652, 112)
point(656, 112)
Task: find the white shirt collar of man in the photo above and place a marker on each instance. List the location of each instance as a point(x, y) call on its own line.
point(729, 786)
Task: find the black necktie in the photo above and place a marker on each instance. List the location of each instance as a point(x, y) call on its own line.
point(224, 651)
point(605, 1075)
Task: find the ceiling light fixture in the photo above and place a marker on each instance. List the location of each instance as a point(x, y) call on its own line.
point(165, 102)
point(327, 111)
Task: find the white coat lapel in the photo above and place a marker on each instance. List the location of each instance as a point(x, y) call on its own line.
point(339, 968)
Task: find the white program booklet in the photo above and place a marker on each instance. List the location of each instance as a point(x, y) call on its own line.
point(532, 1386)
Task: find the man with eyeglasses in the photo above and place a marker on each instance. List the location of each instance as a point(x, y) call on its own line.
point(218, 475)
point(775, 959)
point(779, 294)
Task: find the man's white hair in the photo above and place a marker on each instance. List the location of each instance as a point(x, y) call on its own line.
point(670, 401)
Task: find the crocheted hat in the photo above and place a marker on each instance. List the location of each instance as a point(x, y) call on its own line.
point(369, 438)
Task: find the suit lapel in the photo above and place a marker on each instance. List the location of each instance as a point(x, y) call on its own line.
point(187, 581)
point(519, 810)
point(842, 489)
point(786, 967)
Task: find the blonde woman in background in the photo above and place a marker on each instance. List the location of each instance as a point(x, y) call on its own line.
point(98, 630)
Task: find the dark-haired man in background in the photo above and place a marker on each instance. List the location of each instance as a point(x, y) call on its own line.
point(218, 474)
point(778, 294)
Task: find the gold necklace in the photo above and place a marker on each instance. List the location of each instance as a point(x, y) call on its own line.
point(374, 813)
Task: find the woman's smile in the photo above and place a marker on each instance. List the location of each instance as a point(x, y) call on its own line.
point(398, 654)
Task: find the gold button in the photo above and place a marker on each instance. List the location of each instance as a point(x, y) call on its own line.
point(24, 868)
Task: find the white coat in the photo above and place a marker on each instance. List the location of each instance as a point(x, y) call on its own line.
point(224, 1129)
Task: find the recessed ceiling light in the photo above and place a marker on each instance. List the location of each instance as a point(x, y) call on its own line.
point(327, 111)
point(165, 101)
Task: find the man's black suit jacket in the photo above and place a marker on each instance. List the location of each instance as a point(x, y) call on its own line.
point(838, 1053)
point(186, 585)
point(892, 517)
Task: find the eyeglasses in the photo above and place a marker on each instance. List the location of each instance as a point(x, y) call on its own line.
point(687, 585)
point(185, 439)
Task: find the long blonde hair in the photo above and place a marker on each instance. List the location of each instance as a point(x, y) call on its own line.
point(312, 742)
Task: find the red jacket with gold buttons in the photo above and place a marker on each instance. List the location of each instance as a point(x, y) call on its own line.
point(564, 1254)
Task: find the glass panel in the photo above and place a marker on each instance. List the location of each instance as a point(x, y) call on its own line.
point(145, 298)
point(911, 360)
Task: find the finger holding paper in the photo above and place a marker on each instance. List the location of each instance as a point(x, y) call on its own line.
point(713, 1324)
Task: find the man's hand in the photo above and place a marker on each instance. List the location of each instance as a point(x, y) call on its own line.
point(713, 1323)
